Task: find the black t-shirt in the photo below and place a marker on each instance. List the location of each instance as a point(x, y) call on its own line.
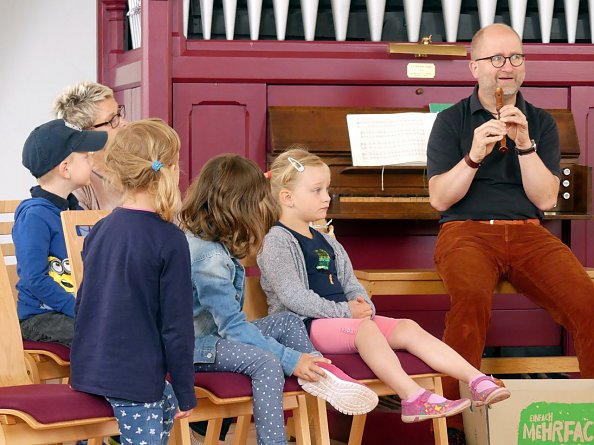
point(320, 263)
point(496, 191)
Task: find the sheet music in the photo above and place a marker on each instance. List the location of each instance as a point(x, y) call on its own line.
point(389, 139)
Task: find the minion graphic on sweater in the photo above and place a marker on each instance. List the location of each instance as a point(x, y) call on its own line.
point(60, 272)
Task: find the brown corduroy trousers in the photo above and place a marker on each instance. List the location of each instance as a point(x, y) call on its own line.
point(472, 256)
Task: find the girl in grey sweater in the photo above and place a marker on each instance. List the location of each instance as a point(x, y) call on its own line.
point(309, 273)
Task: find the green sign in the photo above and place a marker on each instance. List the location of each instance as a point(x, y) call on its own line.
point(556, 423)
point(436, 108)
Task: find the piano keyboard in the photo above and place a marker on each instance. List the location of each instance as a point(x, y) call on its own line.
point(382, 207)
point(520, 14)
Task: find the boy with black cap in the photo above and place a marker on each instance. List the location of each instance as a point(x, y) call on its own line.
point(56, 153)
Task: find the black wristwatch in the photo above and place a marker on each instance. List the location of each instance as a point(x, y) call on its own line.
point(527, 151)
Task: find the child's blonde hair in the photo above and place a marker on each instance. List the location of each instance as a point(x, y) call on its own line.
point(77, 104)
point(285, 168)
point(140, 159)
point(230, 202)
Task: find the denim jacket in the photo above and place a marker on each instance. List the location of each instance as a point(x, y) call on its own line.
point(218, 281)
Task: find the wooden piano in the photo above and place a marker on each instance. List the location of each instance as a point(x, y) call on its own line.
point(357, 192)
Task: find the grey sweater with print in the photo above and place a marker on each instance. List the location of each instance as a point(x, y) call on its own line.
point(284, 278)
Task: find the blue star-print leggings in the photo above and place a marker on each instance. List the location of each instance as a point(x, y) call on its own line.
point(145, 423)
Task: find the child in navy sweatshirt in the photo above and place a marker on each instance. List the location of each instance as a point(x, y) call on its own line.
point(134, 321)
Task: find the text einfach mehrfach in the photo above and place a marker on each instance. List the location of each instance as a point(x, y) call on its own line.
point(389, 139)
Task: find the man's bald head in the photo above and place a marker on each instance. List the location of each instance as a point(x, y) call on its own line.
point(487, 32)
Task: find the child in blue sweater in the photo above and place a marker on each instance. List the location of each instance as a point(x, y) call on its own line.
point(56, 153)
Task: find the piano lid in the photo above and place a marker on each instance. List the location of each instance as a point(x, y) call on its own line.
point(324, 129)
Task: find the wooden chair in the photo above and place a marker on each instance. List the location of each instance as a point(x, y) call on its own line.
point(52, 360)
point(7, 209)
point(353, 365)
point(220, 395)
point(76, 225)
point(416, 368)
point(255, 307)
point(428, 282)
point(38, 413)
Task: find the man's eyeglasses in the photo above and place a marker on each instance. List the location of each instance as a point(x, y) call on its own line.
point(114, 121)
point(498, 61)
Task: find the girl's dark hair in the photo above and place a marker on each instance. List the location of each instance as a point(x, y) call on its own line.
point(230, 202)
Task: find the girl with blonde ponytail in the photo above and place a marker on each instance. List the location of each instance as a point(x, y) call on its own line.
point(134, 322)
point(143, 163)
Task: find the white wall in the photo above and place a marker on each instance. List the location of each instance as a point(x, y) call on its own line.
point(45, 45)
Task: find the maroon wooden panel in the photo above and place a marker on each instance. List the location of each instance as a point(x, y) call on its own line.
point(117, 68)
point(131, 98)
point(219, 118)
point(324, 62)
point(110, 36)
point(416, 96)
point(157, 55)
point(382, 427)
point(209, 135)
point(378, 249)
point(516, 321)
point(514, 327)
point(582, 107)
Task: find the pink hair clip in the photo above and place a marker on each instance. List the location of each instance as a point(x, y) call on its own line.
point(268, 175)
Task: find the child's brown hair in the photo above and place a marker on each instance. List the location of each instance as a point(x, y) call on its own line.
point(230, 202)
point(140, 159)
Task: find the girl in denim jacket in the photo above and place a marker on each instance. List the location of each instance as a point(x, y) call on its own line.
point(226, 213)
point(310, 274)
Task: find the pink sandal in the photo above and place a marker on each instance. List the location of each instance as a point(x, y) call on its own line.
point(421, 409)
point(493, 394)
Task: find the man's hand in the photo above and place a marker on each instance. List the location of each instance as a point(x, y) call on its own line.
point(517, 125)
point(307, 369)
point(485, 138)
point(360, 308)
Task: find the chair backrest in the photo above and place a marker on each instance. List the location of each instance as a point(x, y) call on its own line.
point(76, 225)
point(12, 357)
point(7, 209)
point(255, 305)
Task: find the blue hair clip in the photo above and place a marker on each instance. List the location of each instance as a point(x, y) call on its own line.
point(157, 166)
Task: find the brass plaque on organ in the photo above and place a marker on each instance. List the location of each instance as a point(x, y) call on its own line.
point(420, 70)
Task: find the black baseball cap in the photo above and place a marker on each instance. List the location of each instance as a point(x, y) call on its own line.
point(51, 143)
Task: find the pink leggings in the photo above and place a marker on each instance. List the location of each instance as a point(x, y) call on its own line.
point(337, 335)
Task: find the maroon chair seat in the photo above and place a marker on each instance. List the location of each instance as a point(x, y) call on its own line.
point(54, 403)
point(227, 385)
point(60, 350)
point(354, 365)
